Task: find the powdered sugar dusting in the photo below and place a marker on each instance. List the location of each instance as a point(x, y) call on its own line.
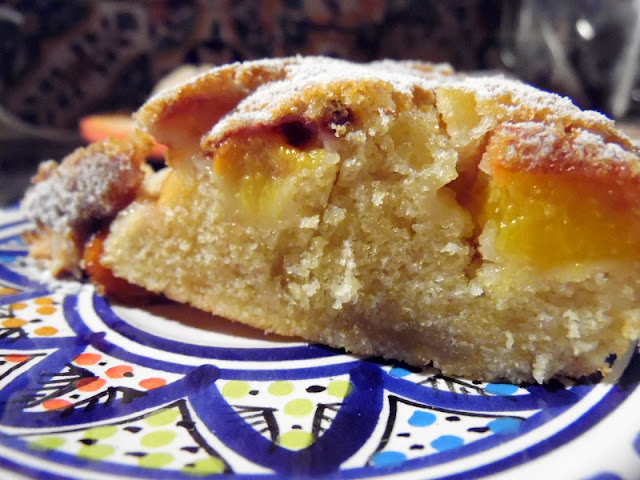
point(544, 147)
point(296, 75)
point(610, 151)
point(303, 73)
point(310, 72)
point(73, 193)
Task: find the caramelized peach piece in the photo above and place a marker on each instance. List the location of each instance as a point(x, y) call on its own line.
point(564, 208)
point(104, 279)
point(261, 171)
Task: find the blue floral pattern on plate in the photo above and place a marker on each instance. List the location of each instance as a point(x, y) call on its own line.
point(91, 388)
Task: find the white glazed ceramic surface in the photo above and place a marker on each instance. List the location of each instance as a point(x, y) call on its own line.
point(91, 389)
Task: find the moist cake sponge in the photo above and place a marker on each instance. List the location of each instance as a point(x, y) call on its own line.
point(393, 208)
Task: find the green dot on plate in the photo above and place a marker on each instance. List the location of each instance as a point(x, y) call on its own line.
point(98, 451)
point(46, 443)
point(296, 439)
point(155, 460)
point(300, 407)
point(339, 388)
point(205, 466)
point(162, 417)
point(99, 433)
point(235, 389)
point(157, 439)
point(280, 389)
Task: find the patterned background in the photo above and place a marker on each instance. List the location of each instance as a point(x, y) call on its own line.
point(63, 59)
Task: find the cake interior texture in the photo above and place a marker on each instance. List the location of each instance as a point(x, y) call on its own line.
point(426, 225)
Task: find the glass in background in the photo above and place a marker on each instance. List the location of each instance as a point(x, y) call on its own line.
point(586, 49)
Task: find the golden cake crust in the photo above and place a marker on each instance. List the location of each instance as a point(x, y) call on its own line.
point(263, 92)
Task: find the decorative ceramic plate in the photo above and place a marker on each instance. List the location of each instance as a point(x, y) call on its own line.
point(92, 389)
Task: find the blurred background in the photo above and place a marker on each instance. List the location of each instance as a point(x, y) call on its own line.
point(61, 60)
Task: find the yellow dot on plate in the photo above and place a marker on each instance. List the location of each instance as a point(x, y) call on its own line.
point(99, 433)
point(235, 389)
point(97, 451)
point(18, 306)
point(300, 407)
point(339, 388)
point(7, 291)
point(155, 460)
point(45, 331)
point(157, 439)
point(296, 439)
point(162, 417)
point(280, 389)
point(46, 310)
point(46, 443)
point(43, 301)
point(13, 322)
point(205, 466)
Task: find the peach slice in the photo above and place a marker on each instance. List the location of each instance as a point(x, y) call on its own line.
point(116, 125)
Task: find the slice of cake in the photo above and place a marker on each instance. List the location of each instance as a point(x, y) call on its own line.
point(394, 208)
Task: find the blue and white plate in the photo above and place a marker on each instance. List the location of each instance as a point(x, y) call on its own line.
point(92, 389)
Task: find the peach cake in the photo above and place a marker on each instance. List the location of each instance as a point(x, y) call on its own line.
point(394, 209)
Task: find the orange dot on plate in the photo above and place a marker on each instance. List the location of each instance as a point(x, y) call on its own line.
point(87, 359)
point(18, 306)
point(120, 371)
point(90, 384)
point(17, 358)
point(7, 291)
point(45, 331)
point(56, 404)
point(43, 301)
point(46, 310)
point(151, 383)
point(13, 322)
